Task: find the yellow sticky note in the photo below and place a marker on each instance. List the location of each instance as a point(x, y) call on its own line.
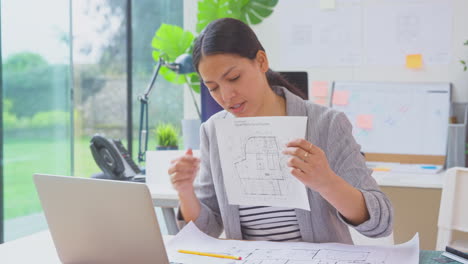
point(320, 101)
point(414, 61)
point(327, 4)
point(340, 97)
point(365, 121)
point(319, 88)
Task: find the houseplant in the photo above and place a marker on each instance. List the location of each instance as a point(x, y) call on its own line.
point(167, 137)
point(171, 41)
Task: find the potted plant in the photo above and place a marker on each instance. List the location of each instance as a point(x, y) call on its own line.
point(167, 137)
point(171, 41)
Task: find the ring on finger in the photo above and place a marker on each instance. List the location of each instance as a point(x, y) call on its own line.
point(310, 147)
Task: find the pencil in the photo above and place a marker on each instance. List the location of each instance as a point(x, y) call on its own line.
point(209, 254)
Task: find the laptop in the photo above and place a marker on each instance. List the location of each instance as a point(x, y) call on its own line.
point(101, 221)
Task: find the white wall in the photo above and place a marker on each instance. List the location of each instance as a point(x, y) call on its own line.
point(267, 32)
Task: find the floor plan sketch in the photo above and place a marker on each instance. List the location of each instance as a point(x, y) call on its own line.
point(265, 252)
point(305, 256)
point(260, 170)
point(254, 168)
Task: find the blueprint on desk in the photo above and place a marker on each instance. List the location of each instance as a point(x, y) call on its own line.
point(254, 169)
point(263, 252)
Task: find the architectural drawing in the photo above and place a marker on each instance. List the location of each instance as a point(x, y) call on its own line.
point(260, 170)
point(254, 169)
point(266, 252)
point(303, 256)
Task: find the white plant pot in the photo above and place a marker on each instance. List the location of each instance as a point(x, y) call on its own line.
point(191, 133)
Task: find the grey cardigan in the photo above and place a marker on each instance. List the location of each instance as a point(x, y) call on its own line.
point(326, 128)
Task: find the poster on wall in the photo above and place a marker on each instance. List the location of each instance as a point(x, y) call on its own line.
point(313, 36)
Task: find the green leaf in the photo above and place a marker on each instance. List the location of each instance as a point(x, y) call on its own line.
point(156, 55)
point(171, 76)
point(167, 135)
point(194, 82)
point(209, 10)
point(466, 43)
point(255, 11)
point(171, 41)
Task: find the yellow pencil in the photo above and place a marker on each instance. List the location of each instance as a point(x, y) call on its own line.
point(209, 254)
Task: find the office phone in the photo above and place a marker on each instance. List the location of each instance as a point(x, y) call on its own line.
point(114, 160)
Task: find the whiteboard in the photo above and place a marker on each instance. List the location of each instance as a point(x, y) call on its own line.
point(396, 118)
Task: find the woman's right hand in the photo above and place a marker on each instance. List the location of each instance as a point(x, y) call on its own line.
point(183, 171)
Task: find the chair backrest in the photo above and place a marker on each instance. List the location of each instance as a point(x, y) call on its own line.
point(453, 213)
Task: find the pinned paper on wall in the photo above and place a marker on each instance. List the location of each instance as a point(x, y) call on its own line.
point(327, 4)
point(321, 101)
point(414, 61)
point(340, 97)
point(319, 88)
point(365, 121)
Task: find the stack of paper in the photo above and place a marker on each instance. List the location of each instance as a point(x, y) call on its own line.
point(192, 239)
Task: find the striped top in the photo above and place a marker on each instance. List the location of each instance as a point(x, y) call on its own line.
point(269, 223)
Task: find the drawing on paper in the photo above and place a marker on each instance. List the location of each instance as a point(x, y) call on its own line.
point(261, 170)
point(303, 256)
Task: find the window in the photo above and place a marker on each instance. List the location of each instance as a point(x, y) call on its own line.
point(166, 99)
point(57, 94)
point(36, 101)
point(100, 78)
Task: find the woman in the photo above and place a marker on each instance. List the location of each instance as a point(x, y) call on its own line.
point(234, 66)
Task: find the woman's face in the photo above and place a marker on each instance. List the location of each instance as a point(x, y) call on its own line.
point(238, 84)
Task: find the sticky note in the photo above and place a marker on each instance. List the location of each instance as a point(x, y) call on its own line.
point(365, 121)
point(319, 88)
point(321, 101)
point(340, 97)
point(414, 61)
point(327, 4)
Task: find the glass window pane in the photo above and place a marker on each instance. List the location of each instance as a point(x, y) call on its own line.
point(36, 99)
point(166, 99)
point(100, 82)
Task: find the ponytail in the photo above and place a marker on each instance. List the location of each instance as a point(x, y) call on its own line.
point(276, 79)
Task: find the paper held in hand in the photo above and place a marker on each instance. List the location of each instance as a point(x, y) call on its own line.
point(254, 169)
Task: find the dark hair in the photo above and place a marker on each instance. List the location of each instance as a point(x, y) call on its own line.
point(232, 36)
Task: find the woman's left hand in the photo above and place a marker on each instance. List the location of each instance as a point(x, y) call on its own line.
point(309, 164)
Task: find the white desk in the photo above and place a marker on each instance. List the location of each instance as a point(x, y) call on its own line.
point(167, 199)
point(36, 248)
point(39, 248)
point(413, 180)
